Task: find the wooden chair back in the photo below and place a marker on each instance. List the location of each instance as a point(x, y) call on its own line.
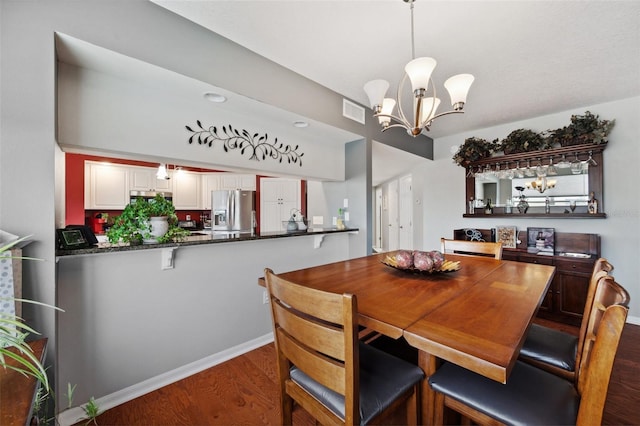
point(601, 268)
point(473, 248)
point(608, 293)
point(317, 332)
point(605, 329)
point(597, 363)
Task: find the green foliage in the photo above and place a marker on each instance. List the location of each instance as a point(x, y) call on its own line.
point(523, 140)
point(584, 129)
point(69, 394)
point(133, 225)
point(13, 333)
point(92, 410)
point(474, 149)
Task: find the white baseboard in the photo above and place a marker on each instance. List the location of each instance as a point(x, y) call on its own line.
point(74, 415)
point(633, 320)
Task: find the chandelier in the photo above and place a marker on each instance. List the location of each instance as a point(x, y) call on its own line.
point(418, 71)
point(541, 184)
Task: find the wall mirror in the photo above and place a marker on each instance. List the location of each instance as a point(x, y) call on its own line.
point(561, 178)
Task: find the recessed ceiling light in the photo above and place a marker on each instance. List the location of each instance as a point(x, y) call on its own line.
point(300, 124)
point(215, 97)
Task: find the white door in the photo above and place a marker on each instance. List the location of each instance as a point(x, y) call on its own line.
point(392, 215)
point(405, 213)
point(377, 209)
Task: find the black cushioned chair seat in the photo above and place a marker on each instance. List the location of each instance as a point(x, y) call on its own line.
point(382, 379)
point(550, 346)
point(531, 396)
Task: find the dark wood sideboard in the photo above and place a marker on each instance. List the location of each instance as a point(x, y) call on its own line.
point(567, 293)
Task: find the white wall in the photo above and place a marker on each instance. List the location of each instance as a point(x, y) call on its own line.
point(101, 112)
point(30, 165)
point(443, 191)
point(127, 321)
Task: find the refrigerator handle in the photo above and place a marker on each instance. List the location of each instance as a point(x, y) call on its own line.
point(232, 210)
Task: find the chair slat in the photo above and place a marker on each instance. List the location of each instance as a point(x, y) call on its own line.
point(325, 338)
point(474, 248)
point(323, 369)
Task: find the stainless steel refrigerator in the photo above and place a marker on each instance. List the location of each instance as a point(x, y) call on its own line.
point(233, 211)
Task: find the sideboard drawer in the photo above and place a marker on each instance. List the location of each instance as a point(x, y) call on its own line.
point(535, 258)
point(576, 266)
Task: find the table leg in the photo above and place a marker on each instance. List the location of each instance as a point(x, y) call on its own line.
point(428, 363)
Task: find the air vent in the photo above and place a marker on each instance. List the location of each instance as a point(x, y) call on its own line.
point(352, 111)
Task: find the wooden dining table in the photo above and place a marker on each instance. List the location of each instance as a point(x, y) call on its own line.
point(476, 317)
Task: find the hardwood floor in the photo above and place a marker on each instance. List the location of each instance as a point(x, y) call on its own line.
point(243, 391)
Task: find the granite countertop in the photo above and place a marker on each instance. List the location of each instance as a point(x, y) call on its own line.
point(200, 239)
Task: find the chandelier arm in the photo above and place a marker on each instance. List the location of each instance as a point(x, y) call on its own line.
point(394, 125)
point(418, 112)
point(453, 111)
point(402, 117)
point(393, 117)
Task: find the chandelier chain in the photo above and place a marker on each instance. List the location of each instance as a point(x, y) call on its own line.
point(413, 44)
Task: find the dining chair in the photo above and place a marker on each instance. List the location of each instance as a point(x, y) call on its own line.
point(557, 351)
point(323, 367)
point(474, 248)
point(535, 396)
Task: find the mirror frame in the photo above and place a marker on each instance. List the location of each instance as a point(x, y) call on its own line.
point(596, 175)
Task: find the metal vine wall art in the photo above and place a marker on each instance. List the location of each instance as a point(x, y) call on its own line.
point(258, 145)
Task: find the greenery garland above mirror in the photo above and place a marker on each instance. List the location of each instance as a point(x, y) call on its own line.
point(583, 129)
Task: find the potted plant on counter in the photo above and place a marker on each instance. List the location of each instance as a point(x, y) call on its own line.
point(147, 221)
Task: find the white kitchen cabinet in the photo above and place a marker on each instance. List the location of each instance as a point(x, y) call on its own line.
point(210, 182)
point(144, 179)
point(278, 197)
point(187, 193)
point(237, 181)
point(106, 186)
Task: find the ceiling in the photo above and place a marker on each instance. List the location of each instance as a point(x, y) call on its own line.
point(529, 58)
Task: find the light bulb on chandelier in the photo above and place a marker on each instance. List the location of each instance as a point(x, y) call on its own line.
point(418, 71)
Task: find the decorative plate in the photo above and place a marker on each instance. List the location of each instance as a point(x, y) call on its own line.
point(447, 266)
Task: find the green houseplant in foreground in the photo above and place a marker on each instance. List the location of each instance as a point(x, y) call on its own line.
point(14, 332)
point(134, 225)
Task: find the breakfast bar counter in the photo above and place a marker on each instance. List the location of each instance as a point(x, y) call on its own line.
point(201, 238)
point(196, 299)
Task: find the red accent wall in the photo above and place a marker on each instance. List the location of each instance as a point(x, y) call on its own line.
point(74, 187)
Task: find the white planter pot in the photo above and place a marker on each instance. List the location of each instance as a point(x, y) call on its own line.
point(159, 227)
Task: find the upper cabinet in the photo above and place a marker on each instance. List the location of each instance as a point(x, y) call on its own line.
point(187, 193)
point(106, 186)
point(144, 179)
point(237, 181)
point(210, 182)
point(555, 183)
